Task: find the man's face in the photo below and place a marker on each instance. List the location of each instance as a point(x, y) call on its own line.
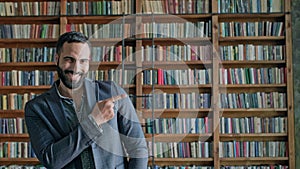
point(73, 64)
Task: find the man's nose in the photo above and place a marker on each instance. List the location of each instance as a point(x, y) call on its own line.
point(77, 66)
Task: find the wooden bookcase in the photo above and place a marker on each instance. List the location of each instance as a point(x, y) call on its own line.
point(136, 18)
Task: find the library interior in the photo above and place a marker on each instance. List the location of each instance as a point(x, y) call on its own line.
point(211, 81)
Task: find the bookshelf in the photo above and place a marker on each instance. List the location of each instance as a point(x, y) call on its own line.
point(209, 89)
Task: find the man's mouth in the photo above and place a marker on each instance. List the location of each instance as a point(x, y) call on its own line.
point(73, 76)
point(72, 72)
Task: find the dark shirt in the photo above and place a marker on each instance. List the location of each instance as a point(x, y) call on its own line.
point(85, 160)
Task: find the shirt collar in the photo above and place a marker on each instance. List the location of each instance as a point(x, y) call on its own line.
point(58, 93)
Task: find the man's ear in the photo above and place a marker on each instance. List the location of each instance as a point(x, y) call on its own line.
point(56, 58)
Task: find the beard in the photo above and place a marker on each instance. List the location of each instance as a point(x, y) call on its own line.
point(68, 83)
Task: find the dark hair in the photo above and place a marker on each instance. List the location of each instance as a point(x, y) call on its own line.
point(70, 37)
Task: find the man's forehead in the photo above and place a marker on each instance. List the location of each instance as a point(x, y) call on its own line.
point(75, 45)
point(76, 48)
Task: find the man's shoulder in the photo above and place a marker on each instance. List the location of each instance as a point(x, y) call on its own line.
point(40, 97)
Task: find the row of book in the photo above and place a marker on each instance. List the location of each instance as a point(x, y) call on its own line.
point(250, 6)
point(252, 52)
point(253, 149)
point(256, 167)
point(103, 7)
point(125, 7)
point(176, 53)
point(15, 101)
point(253, 100)
point(103, 31)
point(265, 28)
point(177, 77)
point(150, 30)
point(151, 53)
point(183, 125)
point(177, 30)
point(198, 149)
point(45, 54)
point(29, 8)
point(121, 76)
point(178, 125)
point(271, 75)
point(253, 125)
point(192, 100)
point(12, 126)
point(26, 78)
point(113, 53)
point(16, 150)
point(180, 167)
point(222, 167)
point(176, 6)
point(26, 31)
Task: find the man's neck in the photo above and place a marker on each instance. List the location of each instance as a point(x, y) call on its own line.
point(70, 93)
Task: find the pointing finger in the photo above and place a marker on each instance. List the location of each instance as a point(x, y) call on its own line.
point(116, 98)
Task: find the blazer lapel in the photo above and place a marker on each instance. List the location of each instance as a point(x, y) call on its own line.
point(91, 93)
point(57, 116)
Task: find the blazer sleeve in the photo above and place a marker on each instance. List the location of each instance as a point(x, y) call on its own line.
point(131, 133)
point(52, 144)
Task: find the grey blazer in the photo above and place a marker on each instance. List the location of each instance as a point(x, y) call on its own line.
point(56, 145)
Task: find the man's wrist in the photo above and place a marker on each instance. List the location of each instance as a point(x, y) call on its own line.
point(98, 126)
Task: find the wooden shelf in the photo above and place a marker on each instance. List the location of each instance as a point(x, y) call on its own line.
point(29, 19)
point(23, 89)
point(182, 161)
point(254, 161)
point(177, 113)
point(176, 18)
point(14, 138)
point(111, 41)
point(177, 64)
point(177, 41)
point(19, 161)
point(179, 137)
point(254, 137)
point(242, 88)
point(25, 43)
point(111, 65)
point(253, 112)
point(11, 113)
point(252, 63)
point(28, 66)
point(250, 17)
point(255, 40)
point(92, 19)
point(147, 89)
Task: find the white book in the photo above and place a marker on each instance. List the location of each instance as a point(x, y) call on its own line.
point(276, 6)
point(2, 9)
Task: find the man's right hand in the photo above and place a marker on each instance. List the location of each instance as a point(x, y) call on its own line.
point(103, 110)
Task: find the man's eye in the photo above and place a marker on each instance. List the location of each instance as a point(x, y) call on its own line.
point(68, 60)
point(84, 60)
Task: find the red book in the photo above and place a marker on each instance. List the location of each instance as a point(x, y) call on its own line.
point(118, 53)
point(68, 27)
point(193, 52)
point(206, 124)
point(160, 77)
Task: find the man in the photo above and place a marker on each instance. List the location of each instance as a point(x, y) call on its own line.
point(80, 123)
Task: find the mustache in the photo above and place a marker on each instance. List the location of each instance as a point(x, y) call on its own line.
point(72, 72)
